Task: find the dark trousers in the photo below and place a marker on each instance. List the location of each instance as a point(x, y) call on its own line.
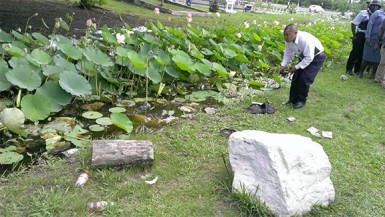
point(355, 56)
point(303, 78)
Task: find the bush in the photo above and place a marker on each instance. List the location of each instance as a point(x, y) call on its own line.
point(91, 3)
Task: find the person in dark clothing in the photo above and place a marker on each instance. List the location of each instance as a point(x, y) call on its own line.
point(311, 54)
point(358, 27)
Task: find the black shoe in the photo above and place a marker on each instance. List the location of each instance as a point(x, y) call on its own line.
point(349, 72)
point(287, 103)
point(298, 105)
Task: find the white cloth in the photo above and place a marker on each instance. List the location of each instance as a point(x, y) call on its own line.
point(362, 16)
point(305, 46)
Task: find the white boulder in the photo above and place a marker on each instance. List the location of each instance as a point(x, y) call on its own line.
point(291, 172)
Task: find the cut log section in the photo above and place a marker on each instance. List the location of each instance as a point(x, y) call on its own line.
point(121, 152)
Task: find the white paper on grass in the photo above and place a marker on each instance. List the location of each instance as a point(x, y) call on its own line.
point(327, 134)
point(151, 182)
point(314, 131)
point(291, 119)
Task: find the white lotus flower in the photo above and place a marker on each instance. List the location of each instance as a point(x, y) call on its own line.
point(259, 47)
point(247, 25)
point(239, 35)
point(120, 38)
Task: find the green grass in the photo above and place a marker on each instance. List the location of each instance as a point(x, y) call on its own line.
point(193, 179)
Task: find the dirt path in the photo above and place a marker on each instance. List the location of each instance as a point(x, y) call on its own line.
point(14, 14)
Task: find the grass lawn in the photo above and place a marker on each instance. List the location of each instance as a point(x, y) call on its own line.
point(193, 179)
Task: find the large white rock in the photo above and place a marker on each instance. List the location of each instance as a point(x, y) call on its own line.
point(292, 172)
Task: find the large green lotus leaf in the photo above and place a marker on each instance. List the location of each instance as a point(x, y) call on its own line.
point(229, 53)
point(73, 136)
point(74, 83)
point(96, 128)
point(171, 71)
point(21, 37)
point(3, 64)
point(92, 115)
point(162, 58)
point(107, 75)
point(18, 61)
point(49, 70)
point(107, 36)
point(122, 121)
point(256, 37)
point(41, 38)
point(204, 69)
point(36, 107)
point(137, 60)
point(4, 83)
point(150, 39)
point(220, 69)
point(242, 58)
point(58, 97)
point(24, 77)
point(70, 51)
point(13, 50)
point(96, 56)
point(40, 57)
point(237, 48)
point(10, 157)
point(60, 61)
point(195, 53)
point(263, 64)
point(5, 37)
point(122, 52)
point(8, 149)
point(60, 39)
point(13, 119)
point(87, 67)
point(179, 33)
point(153, 71)
point(183, 61)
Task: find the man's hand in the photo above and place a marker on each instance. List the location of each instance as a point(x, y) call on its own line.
point(367, 41)
point(292, 69)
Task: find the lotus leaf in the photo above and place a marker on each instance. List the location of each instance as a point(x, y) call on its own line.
point(204, 69)
point(60, 61)
point(162, 58)
point(107, 36)
point(36, 107)
point(96, 128)
point(13, 50)
point(120, 51)
point(40, 57)
point(5, 37)
point(116, 109)
point(195, 53)
point(58, 97)
point(229, 53)
point(4, 103)
point(150, 39)
point(24, 77)
point(105, 121)
point(70, 51)
point(4, 83)
point(220, 69)
point(10, 157)
point(137, 60)
point(122, 121)
point(75, 136)
point(171, 71)
point(74, 83)
point(183, 61)
point(41, 38)
point(8, 149)
point(19, 61)
point(92, 115)
point(96, 56)
point(13, 119)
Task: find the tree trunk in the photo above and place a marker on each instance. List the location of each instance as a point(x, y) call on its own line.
point(121, 152)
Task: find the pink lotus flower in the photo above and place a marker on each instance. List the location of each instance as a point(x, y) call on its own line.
point(89, 22)
point(189, 17)
point(157, 11)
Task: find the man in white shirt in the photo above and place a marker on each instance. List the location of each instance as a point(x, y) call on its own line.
point(311, 54)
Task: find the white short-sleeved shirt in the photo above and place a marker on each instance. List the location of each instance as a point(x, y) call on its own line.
point(362, 16)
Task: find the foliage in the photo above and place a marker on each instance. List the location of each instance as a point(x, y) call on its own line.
point(91, 3)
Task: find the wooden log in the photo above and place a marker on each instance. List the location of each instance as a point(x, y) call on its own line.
point(121, 152)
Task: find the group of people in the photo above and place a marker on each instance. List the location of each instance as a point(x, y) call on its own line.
point(368, 51)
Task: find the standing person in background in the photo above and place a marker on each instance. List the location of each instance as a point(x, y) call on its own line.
point(311, 53)
point(380, 44)
point(358, 27)
point(370, 54)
